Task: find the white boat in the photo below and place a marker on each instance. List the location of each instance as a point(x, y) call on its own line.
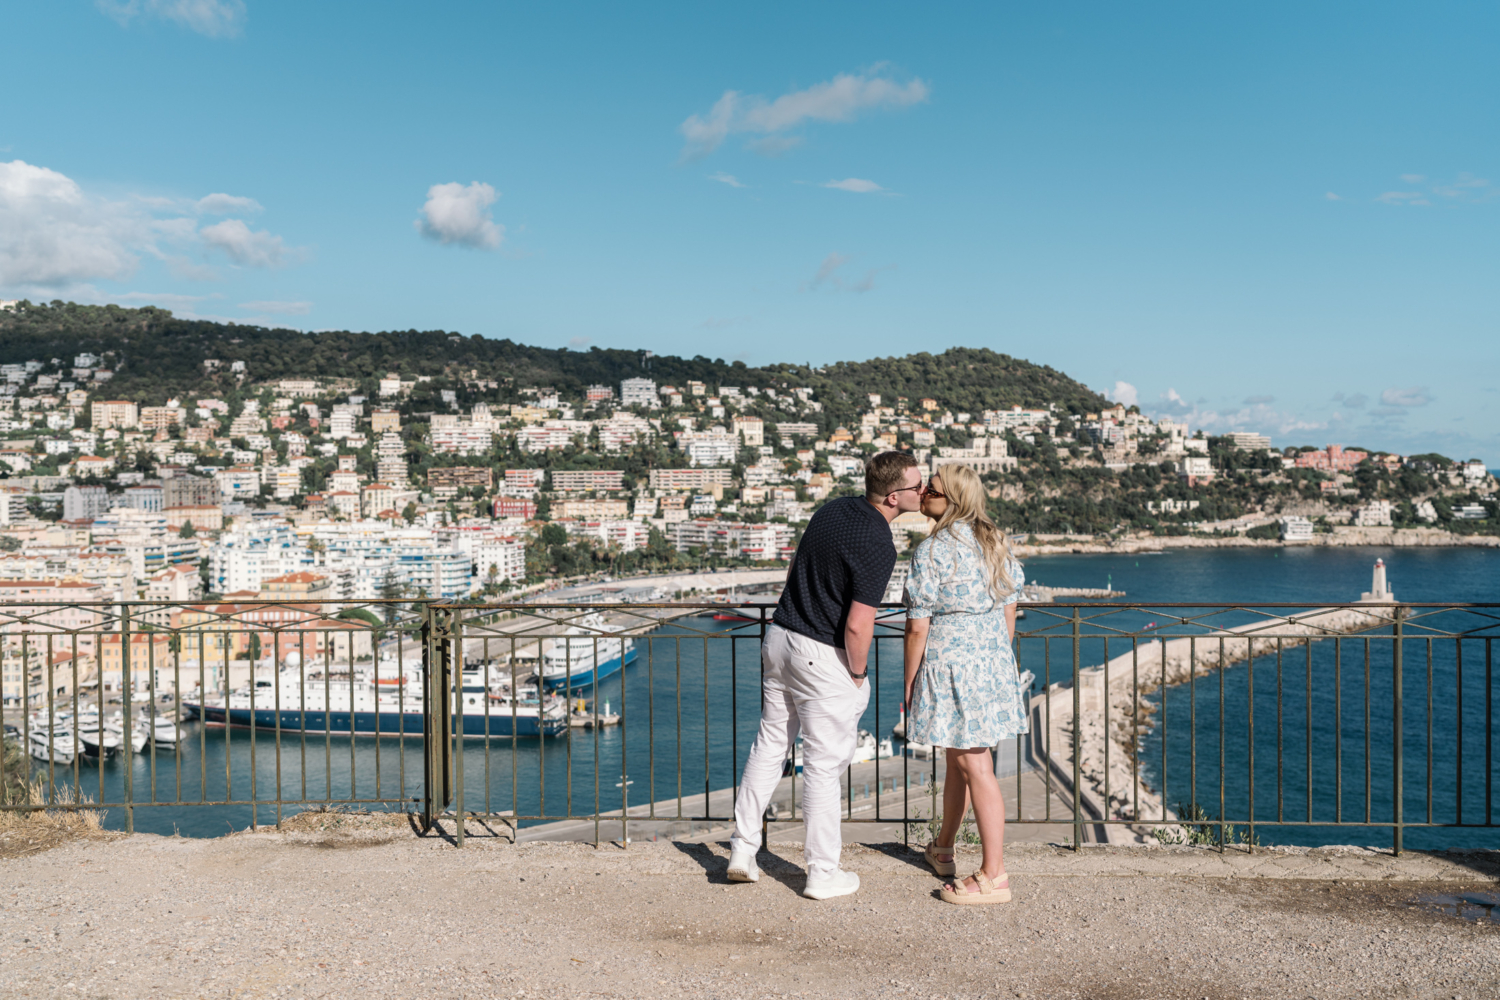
point(161, 731)
point(95, 737)
point(116, 727)
point(56, 745)
point(866, 748)
point(586, 653)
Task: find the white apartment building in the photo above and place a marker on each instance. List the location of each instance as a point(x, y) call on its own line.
point(689, 480)
point(344, 420)
point(1014, 418)
point(985, 454)
point(1296, 529)
point(114, 413)
point(462, 437)
point(585, 480)
point(85, 503)
point(1375, 514)
point(751, 541)
point(1249, 441)
point(639, 392)
point(845, 466)
point(551, 435)
point(1196, 468)
point(623, 430)
point(714, 446)
point(626, 534)
point(751, 430)
point(522, 482)
point(487, 549)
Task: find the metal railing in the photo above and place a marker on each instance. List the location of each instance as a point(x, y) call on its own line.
point(1219, 724)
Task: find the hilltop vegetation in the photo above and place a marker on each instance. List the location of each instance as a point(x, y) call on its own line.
point(155, 354)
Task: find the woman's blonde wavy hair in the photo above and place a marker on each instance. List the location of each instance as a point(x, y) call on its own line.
point(966, 504)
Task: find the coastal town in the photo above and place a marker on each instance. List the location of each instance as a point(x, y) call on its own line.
point(327, 491)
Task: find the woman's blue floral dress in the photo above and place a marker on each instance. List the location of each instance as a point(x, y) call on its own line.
point(968, 691)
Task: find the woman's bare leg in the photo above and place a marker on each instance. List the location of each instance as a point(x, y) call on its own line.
point(955, 800)
point(978, 769)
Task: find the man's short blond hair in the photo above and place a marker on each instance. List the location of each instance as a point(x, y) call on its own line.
point(886, 473)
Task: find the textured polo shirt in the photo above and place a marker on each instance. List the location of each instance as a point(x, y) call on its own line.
point(846, 555)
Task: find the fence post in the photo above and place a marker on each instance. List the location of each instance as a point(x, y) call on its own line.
point(1077, 738)
point(125, 716)
point(436, 720)
point(1396, 754)
point(453, 646)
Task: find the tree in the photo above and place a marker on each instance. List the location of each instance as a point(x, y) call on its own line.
point(187, 530)
point(409, 513)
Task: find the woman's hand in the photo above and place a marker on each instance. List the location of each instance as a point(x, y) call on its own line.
point(915, 648)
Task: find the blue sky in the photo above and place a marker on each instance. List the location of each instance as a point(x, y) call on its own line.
point(1277, 217)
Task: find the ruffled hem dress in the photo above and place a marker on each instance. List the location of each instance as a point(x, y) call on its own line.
point(968, 690)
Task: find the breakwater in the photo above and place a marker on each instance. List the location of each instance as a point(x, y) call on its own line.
point(1116, 706)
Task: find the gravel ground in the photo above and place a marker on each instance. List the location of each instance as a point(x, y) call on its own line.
point(348, 908)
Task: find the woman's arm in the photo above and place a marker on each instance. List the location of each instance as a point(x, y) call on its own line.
point(916, 647)
point(1010, 622)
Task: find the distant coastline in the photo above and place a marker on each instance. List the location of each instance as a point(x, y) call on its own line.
point(1339, 537)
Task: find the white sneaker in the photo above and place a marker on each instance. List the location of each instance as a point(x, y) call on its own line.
point(840, 883)
point(742, 867)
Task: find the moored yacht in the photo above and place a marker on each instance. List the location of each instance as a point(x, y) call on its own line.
point(54, 744)
point(586, 654)
point(353, 705)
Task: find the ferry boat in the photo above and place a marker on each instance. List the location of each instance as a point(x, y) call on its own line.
point(352, 706)
point(585, 655)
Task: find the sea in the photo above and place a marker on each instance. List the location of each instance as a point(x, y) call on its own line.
point(1305, 738)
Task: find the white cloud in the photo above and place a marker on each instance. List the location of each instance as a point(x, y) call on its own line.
point(245, 246)
point(838, 100)
point(828, 276)
point(279, 308)
point(1329, 195)
point(1466, 188)
point(164, 300)
point(579, 343)
point(53, 235)
point(225, 204)
point(826, 270)
point(214, 18)
point(459, 214)
point(724, 178)
point(855, 184)
point(1124, 392)
point(1414, 396)
point(1403, 198)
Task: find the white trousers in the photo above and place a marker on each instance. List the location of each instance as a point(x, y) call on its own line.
point(806, 689)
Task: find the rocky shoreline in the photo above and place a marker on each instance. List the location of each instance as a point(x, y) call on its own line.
point(1341, 536)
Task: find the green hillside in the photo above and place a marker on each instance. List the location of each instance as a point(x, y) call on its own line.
point(155, 354)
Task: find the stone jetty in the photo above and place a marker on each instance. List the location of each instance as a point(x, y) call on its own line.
point(1114, 710)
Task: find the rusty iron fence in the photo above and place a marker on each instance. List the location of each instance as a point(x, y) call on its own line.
point(1212, 723)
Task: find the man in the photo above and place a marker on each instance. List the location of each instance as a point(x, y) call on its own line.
point(814, 668)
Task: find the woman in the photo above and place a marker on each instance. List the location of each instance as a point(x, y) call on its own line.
point(962, 687)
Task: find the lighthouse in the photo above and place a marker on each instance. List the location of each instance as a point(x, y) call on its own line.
point(1378, 591)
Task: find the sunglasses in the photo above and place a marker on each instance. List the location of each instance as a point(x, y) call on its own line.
point(919, 488)
point(930, 492)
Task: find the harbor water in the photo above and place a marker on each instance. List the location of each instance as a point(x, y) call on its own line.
point(690, 706)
